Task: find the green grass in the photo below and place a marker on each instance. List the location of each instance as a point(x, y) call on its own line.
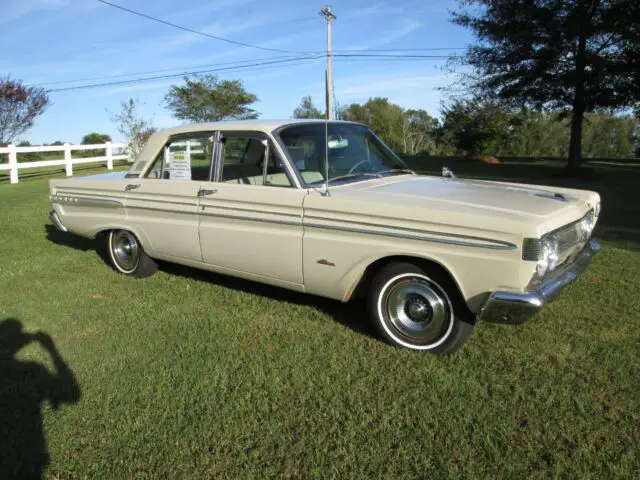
point(194, 375)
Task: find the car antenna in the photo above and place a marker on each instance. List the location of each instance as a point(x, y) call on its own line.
point(326, 158)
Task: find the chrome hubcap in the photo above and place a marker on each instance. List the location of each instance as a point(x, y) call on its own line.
point(418, 310)
point(125, 250)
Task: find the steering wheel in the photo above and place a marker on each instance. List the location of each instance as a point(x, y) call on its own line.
point(361, 162)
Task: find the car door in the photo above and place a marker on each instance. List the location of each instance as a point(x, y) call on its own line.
point(251, 221)
point(164, 202)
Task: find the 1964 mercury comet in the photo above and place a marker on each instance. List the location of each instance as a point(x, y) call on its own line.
point(250, 199)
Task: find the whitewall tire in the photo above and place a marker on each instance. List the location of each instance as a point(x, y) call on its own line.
point(419, 308)
point(127, 256)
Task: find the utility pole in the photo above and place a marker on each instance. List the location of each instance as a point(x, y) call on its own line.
point(329, 17)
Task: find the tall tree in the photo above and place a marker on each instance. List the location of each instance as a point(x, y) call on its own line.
point(205, 98)
point(579, 55)
point(19, 107)
point(307, 109)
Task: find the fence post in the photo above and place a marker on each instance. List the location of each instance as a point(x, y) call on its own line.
point(67, 160)
point(13, 163)
point(109, 157)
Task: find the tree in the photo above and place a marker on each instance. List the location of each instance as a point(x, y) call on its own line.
point(636, 132)
point(410, 132)
point(580, 55)
point(418, 132)
point(608, 136)
point(476, 127)
point(95, 138)
point(384, 118)
point(307, 109)
point(534, 133)
point(19, 107)
point(133, 127)
point(205, 98)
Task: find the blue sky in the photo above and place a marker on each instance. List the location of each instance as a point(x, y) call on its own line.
point(48, 41)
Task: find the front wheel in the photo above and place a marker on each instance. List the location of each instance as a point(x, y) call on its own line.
point(419, 309)
point(127, 256)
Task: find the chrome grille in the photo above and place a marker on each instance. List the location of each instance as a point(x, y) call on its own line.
point(531, 249)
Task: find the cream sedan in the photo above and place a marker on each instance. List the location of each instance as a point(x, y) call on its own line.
point(328, 209)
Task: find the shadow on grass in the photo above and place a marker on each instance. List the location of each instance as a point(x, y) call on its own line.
point(68, 239)
point(83, 244)
point(24, 387)
point(351, 315)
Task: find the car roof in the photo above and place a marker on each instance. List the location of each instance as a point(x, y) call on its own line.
point(159, 138)
point(261, 125)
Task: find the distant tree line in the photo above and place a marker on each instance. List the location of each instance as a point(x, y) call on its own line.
point(473, 127)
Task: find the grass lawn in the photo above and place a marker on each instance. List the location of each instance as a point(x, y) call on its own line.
point(194, 375)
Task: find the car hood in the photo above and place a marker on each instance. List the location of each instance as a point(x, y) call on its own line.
point(497, 206)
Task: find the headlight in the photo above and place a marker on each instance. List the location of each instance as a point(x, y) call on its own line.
point(548, 257)
point(587, 223)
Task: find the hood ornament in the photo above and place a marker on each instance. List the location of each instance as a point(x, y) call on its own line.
point(447, 172)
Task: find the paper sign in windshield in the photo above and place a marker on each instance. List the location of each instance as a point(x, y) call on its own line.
point(180, 166)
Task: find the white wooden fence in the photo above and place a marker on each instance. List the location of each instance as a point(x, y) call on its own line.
point(15, 166)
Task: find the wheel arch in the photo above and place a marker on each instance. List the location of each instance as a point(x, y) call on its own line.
point(143, 238)
point(362, 281)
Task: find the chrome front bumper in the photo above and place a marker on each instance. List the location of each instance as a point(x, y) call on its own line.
point(516, 308)
point(55, 219)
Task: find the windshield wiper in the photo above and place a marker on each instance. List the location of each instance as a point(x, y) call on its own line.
point(352, 175)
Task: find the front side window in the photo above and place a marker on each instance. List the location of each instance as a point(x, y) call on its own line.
point(243, 162)
point(354, 152)
point(184, 158)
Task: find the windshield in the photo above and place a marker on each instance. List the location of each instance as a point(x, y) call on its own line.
point(355, 153)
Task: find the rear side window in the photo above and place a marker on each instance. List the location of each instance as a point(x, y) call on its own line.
point(184, 158)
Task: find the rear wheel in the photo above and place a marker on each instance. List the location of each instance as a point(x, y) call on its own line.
point(419, 308)
point(127, 256)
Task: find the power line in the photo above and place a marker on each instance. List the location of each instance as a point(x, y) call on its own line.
point(133, 74)
point(288, 60)
point(382, 55)
point(399, 49)
point(162, 77)
point(295, 20)
point(186, 29)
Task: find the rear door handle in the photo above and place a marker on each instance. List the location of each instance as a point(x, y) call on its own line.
point(132, 186)
point(202, 192)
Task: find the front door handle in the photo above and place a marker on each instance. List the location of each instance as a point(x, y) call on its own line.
point(132, 186)
point(202, 192)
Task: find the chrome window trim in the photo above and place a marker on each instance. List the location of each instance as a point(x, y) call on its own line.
point(251, 134)
point(163, 148)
